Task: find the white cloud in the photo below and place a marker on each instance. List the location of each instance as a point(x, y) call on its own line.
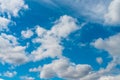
point(99, 60)
point(10, 51)
point(9, 8)
point(10, 74)
point(27, 34)
point(110, 44)
point(65, 69)
point(27, 78)
point(64, 26)
point(4, 23)
point(113, 14)
point(38, 69)
point(12, 7)
point(50, 39)
point(110, 77)
point(95, 75)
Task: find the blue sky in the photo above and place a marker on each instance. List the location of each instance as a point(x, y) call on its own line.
point(59, 40)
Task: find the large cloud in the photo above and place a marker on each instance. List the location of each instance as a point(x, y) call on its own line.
point(10, 50)
point(50, 39)
point(113, 14)
point(111, 45)
point(65, 69)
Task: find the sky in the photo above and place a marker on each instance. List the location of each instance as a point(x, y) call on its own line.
point(59, 39)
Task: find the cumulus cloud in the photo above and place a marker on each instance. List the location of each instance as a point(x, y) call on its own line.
point(62, 28)
point(9, 8)
point(113, 14)
point(110, 44)
point(12, 7)
point(65, 69)
point(27, 34)
point(4, 23)
point(50, 39)
point(10, 51)
point(96, 75)
point(10, 74)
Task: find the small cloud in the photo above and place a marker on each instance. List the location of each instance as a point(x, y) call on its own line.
point(27, 78)
point(10, 74)
point(99, 60)
point(65, 69)
point(27, 34)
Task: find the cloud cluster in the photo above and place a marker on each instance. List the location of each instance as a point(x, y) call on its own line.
point(9, 8)
point(110, 77)
point(111, 45)
point(65, 69)
point(12, 7)
point(50, 40)
point(10, 74)
point(10, 50)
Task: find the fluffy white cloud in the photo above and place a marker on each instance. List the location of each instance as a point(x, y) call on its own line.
point(10, 74)
point(50, 39)
point(110, 77)
point(4, 23)
point(110, 44)
point(113, 14)
point(65, 69)
point(9, 8)
point(10, 51)
point(12, 7)
point(64, 26)
point(27, 34)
